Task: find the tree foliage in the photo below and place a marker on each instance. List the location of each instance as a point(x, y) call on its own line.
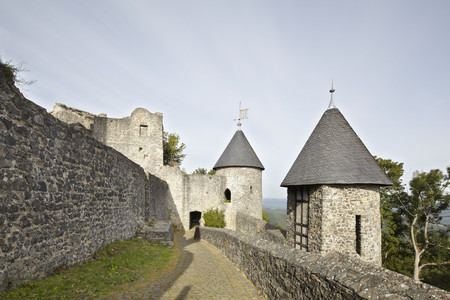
point(214, 218)
point(172, 149)
point(392, 228)
point(422, 208)
point(412, 236)
point(203, 171)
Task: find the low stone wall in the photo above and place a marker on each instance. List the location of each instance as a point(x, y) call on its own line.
point(63, 194)
point(252, 226)
point(282, 272)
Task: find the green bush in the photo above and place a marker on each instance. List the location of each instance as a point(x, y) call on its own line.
point(214, 218)
point(265, 217)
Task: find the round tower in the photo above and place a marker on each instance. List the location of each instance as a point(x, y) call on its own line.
point(242, 169)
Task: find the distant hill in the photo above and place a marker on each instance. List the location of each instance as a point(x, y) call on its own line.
point(276, 210)
point(274, 203)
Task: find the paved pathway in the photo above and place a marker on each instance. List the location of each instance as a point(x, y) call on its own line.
point(202, 272)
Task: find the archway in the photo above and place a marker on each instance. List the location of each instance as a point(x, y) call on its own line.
point(194, 218)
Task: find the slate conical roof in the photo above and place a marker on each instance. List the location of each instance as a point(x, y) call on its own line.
point(334, 154)
point(239, 153)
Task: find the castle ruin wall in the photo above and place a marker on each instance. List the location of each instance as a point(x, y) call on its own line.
point(63, 194)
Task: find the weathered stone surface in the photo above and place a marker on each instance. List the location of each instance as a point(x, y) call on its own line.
point(173, 193)
point(63, 194)
point(160, 231)
point(332, 220)
point(282, 272)
point(256, 227)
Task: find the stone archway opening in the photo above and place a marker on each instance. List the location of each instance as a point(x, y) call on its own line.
point(194, 218)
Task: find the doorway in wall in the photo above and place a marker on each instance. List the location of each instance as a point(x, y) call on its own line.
point(194, 218)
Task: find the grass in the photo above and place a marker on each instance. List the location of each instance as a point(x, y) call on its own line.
point(118, 267)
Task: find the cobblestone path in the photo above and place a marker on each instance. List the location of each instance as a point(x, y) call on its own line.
point(202, 272)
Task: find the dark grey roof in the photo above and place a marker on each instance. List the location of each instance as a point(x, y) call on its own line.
point(334, 154)
point(239, 153)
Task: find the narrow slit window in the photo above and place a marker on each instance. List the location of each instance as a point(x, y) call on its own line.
point(358, 234)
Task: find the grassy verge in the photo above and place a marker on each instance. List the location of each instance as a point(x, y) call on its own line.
point(117, 267)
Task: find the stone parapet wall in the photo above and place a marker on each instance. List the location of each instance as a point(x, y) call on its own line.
point(256, 227)
point(282, 272)
point(63, 194)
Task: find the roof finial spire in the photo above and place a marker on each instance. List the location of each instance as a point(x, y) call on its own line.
point(331, 91)
point(242, 115)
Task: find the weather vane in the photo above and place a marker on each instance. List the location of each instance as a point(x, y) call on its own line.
point(242, 115)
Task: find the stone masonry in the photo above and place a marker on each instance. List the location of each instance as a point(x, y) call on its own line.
point(139, 137)
point(282, 272)
point(63, 194)
point(332, 220)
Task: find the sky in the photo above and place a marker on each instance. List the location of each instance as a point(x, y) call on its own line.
point(196, 61)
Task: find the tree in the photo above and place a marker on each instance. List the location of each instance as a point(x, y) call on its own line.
point(172, 149)
point(411, 236)
point(422, 207)
point(203, 171)
point(392, 228)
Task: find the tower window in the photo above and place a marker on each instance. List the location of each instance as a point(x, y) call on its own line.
point(227, 195)
point(251, 190)
point(301, 217)
point(143, 130)
point(358, 234)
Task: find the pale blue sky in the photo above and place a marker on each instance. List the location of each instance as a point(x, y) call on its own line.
point(194, 61)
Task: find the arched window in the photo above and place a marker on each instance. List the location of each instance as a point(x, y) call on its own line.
point(227, 195)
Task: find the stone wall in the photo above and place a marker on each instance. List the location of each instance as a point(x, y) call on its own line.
point(63, 194)
point(256, 227)
point(202, 192)
point(340, 205)
point(282, 272)
point(158, 199)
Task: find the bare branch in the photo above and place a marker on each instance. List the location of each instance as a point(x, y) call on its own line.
point(435, 264)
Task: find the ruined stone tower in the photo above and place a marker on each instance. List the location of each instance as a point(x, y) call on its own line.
point(242, 169)
point(333, 192)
